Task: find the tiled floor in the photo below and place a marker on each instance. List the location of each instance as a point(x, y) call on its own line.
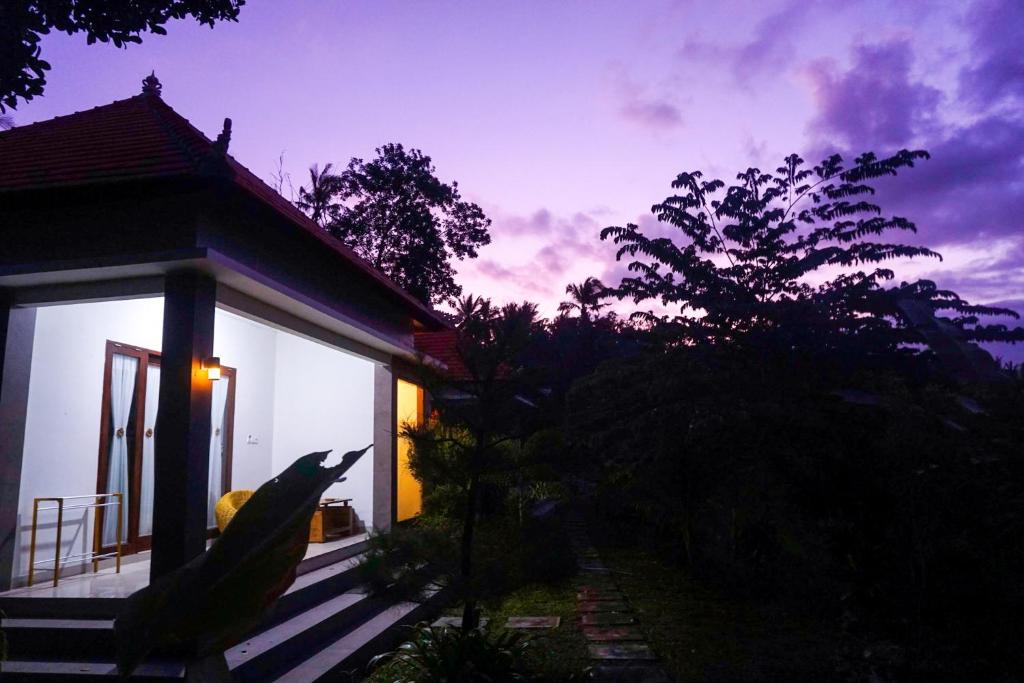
point(134, 575)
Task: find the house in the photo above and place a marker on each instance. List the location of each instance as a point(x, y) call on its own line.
point(139, 260)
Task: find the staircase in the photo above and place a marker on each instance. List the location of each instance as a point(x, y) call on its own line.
point(325, 626)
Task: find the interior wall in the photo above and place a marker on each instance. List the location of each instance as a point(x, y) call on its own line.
point(62, 425)
point(324, 401)
point(251, 348)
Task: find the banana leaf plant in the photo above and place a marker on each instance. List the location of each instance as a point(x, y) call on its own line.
point(208, 605)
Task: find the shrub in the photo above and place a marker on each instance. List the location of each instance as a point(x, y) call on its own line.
point(891, 502)
point(454, 655)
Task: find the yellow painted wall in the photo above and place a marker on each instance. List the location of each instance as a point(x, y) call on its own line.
point(410, 410)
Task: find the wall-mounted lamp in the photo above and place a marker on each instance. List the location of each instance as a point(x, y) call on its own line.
point(212, 367)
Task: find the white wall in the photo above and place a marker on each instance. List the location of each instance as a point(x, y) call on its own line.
point(250, 348)
point(293, 396)
point(62, 431)
point(324, 400)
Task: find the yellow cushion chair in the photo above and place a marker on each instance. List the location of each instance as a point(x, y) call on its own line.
point(228, 505)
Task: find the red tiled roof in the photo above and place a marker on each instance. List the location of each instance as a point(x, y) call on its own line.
point(443, 346)
point(144, 138)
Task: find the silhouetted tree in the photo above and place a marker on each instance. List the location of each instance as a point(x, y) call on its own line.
point(778, 261)
point(401, 218)
point(319, 200)
point(24, 22)
point(476, 413)
point(395, 213)
point(586, 297)
point(471, 307)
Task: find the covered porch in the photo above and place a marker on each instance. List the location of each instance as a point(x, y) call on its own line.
point(92, 414)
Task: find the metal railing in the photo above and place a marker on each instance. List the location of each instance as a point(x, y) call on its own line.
point(97, 545)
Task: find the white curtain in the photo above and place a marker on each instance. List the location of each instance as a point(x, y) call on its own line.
point(217, 434)
point(122, 391)
point(148, 440)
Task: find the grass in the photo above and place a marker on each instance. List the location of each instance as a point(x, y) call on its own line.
point(703, 636)
point(556, 653)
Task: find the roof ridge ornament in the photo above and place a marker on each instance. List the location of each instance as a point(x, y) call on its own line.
point(224, 139)
point(151, 85)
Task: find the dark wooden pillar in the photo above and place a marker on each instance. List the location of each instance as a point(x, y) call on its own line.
point(182, 439)
point(17, 333)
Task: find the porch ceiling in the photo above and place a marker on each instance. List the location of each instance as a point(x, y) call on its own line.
point(240, 289)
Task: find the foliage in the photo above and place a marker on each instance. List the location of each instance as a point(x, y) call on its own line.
point(753, 252)
point(703, 634)
point(407, 561)
point(318, 200)
point(395, 213)
point(24, 22)
point(586, 297)
point(450, 655)
point(892, 501)
point(480, 413)
point(212, 602)
point(510, 546)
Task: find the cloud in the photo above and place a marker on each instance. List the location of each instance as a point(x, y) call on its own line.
point(540, 253)
point(996, 72)
point(973, 186)
point(769, 48)
point(652, 113)
point(875, 102)
point(638, 106)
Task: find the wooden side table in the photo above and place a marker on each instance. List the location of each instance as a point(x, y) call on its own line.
point(333, 519)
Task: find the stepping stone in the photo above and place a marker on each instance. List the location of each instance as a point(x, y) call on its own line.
point(533, 622)
point(620, 651)
point(590, 594)
point(612, 633)
point(607, 619)
point(597, 584)
point(615, 672)
point(455, 622)
point(603, 606)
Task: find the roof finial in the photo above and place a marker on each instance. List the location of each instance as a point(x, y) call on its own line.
point(151, 85)
point(224, 139)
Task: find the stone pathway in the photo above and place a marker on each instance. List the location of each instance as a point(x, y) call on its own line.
point(617, 647)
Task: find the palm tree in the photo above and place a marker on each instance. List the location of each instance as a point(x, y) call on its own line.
point(318, 200)
point(472, 307)
point(586, 297)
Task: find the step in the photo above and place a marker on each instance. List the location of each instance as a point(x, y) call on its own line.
point(269, 652)
point(311, 564)
point(75, 639)
point(21, 606)
point(315, 586)
point(13, 671)
point(92, 639)
point(353, 650)
point(68, 608)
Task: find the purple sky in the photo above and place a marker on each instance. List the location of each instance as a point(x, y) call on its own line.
point(562, 118)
